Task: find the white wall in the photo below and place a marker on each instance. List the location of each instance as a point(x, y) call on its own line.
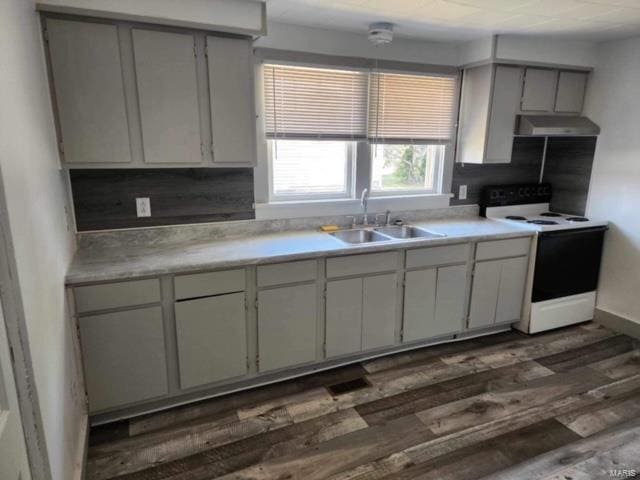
point(613, 102)
point(332, 42)
point(36, 200)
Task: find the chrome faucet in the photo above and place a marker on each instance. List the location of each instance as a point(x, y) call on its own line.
point(387, 218)
point(364, 201)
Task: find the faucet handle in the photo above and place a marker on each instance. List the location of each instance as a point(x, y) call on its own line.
point(353, 220)
point(378, 215)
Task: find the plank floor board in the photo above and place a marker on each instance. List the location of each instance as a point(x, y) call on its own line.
point(485, 407)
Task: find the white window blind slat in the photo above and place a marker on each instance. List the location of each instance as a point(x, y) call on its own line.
point(411, 108)
point(315, 103)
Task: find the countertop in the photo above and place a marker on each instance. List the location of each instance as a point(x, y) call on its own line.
point(93, 264)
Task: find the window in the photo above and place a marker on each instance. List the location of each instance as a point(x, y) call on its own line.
point(311, 169)
point(318, 120)
point(406, 168)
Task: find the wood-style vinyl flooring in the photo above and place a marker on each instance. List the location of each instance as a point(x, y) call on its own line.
point(560, 405)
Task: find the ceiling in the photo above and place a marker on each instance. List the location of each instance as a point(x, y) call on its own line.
point(462, 20)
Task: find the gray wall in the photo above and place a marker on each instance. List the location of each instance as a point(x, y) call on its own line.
point(105, 199)
point(37, 227)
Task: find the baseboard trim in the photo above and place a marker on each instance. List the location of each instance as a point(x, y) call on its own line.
point(618, 323)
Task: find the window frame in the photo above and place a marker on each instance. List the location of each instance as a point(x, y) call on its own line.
point(361, 159)
point(350, 176)
point(438, 176)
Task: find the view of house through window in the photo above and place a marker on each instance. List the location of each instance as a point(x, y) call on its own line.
point(405, 167)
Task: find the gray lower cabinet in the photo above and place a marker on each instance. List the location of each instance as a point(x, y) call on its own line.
point(124, 357)
point(498, 291)
point(434, 302)
point(287, 326)
point(360, 314)
point(212, 339)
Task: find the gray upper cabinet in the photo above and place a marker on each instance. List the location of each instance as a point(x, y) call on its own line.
point(165, 65)
point(88, 84)
point(571, 90)
point(132, 97)
point(539, 91)
point(231, 94)
point(489, 104)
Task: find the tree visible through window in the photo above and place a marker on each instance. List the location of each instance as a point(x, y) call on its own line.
point(405, 167)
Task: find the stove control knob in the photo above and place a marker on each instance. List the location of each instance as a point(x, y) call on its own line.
point(527, 191)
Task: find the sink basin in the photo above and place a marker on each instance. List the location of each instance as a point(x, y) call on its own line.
point(359, 236)
point(407, 231)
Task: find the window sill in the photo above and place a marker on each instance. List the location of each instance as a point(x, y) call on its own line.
point(320, 208)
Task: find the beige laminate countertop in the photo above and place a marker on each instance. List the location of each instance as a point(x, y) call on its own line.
point(100, 264)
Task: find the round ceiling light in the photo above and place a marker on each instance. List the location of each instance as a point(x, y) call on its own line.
point(381, 33)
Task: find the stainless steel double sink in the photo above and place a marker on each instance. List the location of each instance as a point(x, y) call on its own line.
point(384, 234)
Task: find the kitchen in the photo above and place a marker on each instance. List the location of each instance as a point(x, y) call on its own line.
point(296, 239)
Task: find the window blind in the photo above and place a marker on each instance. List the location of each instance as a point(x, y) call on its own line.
point(411, 108)
point(315, 103)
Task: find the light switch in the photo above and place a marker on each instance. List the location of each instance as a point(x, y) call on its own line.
point(143, 207)
point(462, 192)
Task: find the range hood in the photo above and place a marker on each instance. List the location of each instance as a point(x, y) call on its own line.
point(556, 126)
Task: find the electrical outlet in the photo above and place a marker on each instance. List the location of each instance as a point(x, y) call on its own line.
point(462, 192)
point(143, 207)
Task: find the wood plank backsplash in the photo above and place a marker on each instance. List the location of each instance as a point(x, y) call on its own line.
point(568, 168)
point(106, 199)
point(525, 165)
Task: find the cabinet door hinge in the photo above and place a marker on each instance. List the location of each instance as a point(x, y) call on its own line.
point(213, 154)
point(61, 147)
point(258, 362)
point(45, 35)
point(248, 362)
point(324, 349)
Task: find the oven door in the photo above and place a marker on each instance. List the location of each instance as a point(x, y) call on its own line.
point(567, 263)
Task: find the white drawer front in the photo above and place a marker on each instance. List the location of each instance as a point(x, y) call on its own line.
point(362, 264)
point(512, 247)
point(433, 256)
point(212, 283)
point(115, 295)
point(292, 272)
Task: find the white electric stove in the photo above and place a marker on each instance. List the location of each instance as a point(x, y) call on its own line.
point(565, 256)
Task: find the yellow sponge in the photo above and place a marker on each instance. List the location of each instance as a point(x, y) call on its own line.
point(329, 228)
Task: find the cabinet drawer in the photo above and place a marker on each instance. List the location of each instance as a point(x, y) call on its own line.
point(115, 295)
point(212, 283)
point(433, 256)
point(503, 248)
point(361, 264)
point(293, 272)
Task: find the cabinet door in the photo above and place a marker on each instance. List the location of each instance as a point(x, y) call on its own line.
point(344, 317)
point(379, 311)
point(287, 321)
point(504, 108)
point(484, 293)
point(89, 91)
point(419, 304)
point(231, 90)
point(124, 357)
point(513, 279)
point(450, 300)
point(539, 90)
point(168, 96)
point(212, 339)
point(571, 90)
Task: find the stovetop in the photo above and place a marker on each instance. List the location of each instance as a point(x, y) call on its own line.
point(538, 217)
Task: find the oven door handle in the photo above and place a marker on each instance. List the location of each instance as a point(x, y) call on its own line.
point(577, 231)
